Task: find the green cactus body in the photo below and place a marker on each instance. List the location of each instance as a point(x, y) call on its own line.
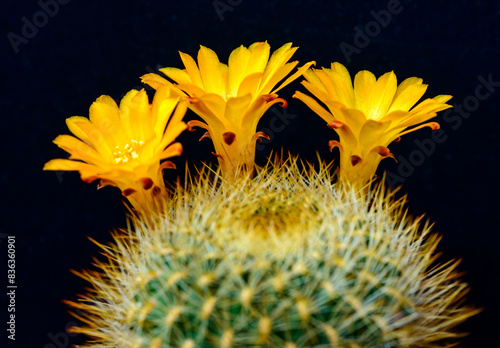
point(286, 259)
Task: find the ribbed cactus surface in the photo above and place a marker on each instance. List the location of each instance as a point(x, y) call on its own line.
point(286, 259)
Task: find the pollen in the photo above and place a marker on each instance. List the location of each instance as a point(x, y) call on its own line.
point(128, 152)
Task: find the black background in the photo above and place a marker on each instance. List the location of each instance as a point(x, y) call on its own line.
point(90, 48)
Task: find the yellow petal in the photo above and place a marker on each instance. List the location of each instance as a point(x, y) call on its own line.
point(72, 123)
point(192, 69)
point(249, 85)
point(178, 75)
point(105, 115)
point(371, 133)
point(295, 75)
point(125, 112)
point(259, 56)
point(173, 132)
point(237, 65)
point(408, 97)
point(324, 78)
point(406, 83)
point(210, 108)
point(343, 72)
point(278, 59)
point(140, 116)
point(155, 80)
point(382, 95)
point(314, 106)
point(279, 75)
point(318, 91)
point(91, 135)
point(235, 110)
point(442, 98)
point(342, 85)
point(422, 113)
point(363, 85)
point(210, 71)
point(88, 172)
point(164, 110)
point(178, 115)
point(353, 117)
point(78, 149)
point(172, 151)
point(433, 125)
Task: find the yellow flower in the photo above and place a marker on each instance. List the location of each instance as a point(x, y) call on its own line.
point(232, 98)
point(123, 146)
point(369, 115)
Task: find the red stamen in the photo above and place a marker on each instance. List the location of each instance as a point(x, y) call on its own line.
point(335, 124)
point(355, 160)
point(128, 192)
point(228, 137)
point(333, 144)
point(146, 183)
point(257, 137)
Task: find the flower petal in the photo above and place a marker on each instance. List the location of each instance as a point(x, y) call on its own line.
point(155, 80)
point(259, 56)
point(172, 151)
point(88, 172)
point(90, 134)
point(237, 65)
point(363, 86)
point(371, 133)
point(178, 75)
point(408, 97)
point(192, 69)
point(342, 85)
point(105, 116)
point(294, 76)
point(250, 84)
point(314, 106)
point(277, 60)
point(382, 95)
point(236, 109)
point(78, 149)
point(210, 71)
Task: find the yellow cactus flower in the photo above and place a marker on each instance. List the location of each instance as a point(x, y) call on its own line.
point(368, 115)
point(232, 98)
point(123, 146)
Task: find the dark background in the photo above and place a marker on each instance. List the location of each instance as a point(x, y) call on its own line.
point(89, 48)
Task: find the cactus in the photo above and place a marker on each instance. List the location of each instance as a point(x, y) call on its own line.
point(285, 259)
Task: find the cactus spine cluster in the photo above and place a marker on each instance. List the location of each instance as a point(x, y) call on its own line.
point(286, 259)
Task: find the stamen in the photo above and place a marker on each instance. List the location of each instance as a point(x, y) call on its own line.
point(335, 124)
point(128, 192)
point(228, 137)
point(333, 144)
point(355, 160)
point(259, 135)
point(129, 152)
point(146, 183)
